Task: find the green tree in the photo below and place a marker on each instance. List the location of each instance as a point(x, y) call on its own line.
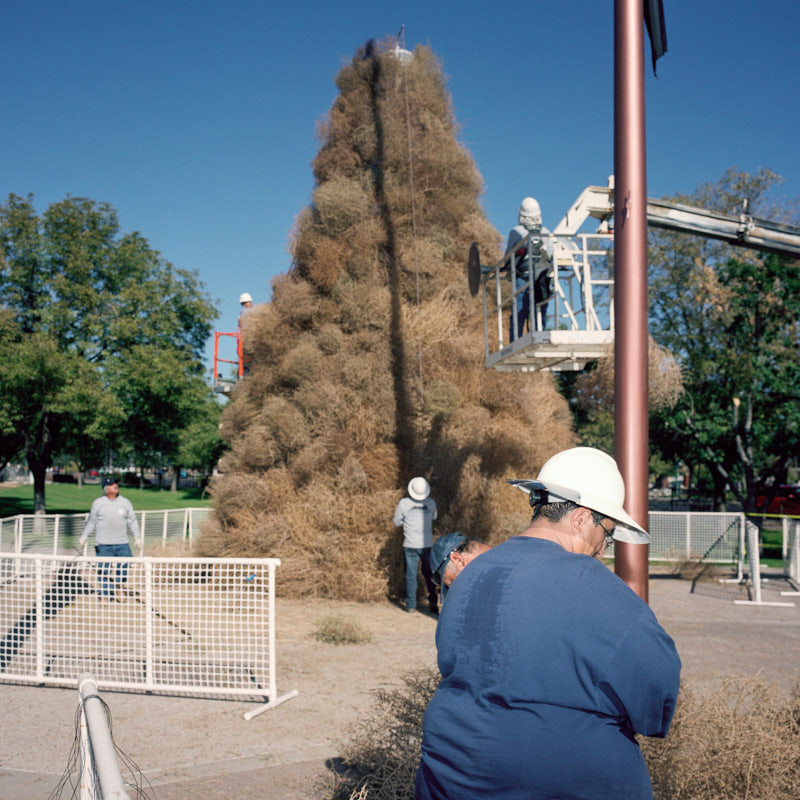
point(200, 445)
point(730, 318)
point(84, 300)
point(161, 399)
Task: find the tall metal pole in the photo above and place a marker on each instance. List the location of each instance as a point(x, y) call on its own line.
point(630, 296)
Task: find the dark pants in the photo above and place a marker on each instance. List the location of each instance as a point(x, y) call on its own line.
point(413, 557)
point(107, 581)
point(523, 303)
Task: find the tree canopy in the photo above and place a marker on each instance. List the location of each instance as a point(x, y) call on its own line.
point(730, 318)
point(86, 310)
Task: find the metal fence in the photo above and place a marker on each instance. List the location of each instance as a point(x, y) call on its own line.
point(59, 533)
point(171, 625)
point(696, 535)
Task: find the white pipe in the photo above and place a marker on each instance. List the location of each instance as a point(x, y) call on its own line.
point(103, 752)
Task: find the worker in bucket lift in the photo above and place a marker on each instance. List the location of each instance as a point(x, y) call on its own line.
point(530, 222)
point(550, 664)
point(246, 302)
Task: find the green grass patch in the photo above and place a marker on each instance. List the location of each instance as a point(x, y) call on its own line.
point(64, 498)
point(340, 629)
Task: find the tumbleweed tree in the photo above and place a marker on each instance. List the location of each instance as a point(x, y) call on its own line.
point(367, 365)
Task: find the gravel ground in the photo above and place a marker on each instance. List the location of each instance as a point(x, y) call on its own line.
point(204, 749)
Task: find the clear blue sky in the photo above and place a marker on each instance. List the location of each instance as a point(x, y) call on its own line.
point(195, 120)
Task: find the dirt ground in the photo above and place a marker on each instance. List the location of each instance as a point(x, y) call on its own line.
point(205, 750)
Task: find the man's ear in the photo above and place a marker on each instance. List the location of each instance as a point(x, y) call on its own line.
point(457, 558)
point(578, 517)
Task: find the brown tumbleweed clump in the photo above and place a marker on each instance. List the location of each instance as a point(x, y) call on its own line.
point(366, 368)
point(740, 741)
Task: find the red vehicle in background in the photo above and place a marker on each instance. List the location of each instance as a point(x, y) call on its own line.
point(784, 499)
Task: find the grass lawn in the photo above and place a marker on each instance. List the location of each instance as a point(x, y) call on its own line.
point(66, 498)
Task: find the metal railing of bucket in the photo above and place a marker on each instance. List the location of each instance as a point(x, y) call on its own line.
point(59, 533)
point(172, 625)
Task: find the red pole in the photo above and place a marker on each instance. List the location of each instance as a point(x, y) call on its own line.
point(630, 295)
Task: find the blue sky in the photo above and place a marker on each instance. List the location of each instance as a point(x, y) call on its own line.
point(195, 120)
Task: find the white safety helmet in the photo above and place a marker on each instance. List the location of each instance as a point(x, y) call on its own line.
point(244, 297)
point(418, 489)
point(590, 478)
point(530, 215)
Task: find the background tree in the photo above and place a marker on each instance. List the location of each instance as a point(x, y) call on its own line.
point(200, 445)
point(730, 318)
point(85, 299)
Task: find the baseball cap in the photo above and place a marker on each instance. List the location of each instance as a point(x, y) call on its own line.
point(440, 552)
point(108, 481)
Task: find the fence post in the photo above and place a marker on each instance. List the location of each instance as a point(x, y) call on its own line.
point(755, 570)
point(274, 700)
point(39, 618)
point(688, 535)
point(148, 624)
point(102, 747)
point(55, 534)
point(164, 529)
point(785, 543)
point(793, 532)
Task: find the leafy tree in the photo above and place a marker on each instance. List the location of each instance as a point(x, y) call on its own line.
point(161, 400)
point(84, 300)
point(200, 445)
point(730, 318)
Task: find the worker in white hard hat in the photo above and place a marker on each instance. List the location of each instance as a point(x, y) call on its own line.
point(531, 248)
point(416, 514)
point(246, 302)
point(550, 664)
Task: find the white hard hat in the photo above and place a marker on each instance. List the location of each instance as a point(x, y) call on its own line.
point(418, 489)
point(529, 212)
point(244, 297)
point(590, 478)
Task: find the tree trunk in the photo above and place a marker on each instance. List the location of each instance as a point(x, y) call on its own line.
point(39, 471)
point(176, 474)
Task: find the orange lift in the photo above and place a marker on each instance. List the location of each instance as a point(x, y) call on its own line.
point(221, 384)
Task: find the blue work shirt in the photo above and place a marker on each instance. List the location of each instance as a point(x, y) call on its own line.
point(550, 664)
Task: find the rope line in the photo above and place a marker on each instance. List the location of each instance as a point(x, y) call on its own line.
point(413, 220)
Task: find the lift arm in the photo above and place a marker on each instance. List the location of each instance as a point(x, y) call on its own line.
point(743, 229)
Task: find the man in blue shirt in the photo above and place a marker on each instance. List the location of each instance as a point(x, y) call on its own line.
point(550, 664)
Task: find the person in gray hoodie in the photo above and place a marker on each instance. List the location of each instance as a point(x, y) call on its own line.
point(110, 518)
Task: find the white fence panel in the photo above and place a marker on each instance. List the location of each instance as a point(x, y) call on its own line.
point(59, 533)
point(173, 625)
point(708, 536)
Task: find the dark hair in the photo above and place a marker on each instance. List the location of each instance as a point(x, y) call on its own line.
point(555, 512)
point(466, 545)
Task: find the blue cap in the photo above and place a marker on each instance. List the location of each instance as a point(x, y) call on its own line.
point(108, 482)
point(440, 552)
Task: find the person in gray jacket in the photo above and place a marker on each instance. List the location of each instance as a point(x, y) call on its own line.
point(416, 514)
point(111, 517)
